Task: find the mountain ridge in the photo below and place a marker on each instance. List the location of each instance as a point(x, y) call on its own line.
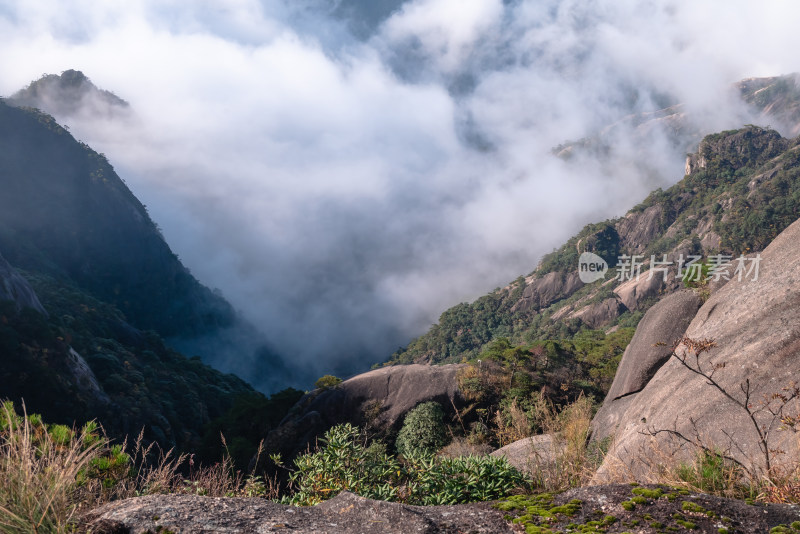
point(741, 189)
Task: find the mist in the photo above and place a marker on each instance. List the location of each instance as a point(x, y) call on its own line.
point(344, 171)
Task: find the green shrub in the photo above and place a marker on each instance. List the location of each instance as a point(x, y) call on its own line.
point(346, 463)
point(423, 430)
point(437, 481)
point(712, 473)
point(327, 382)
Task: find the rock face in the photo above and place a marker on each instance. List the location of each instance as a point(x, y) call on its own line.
point(650, 348)
point(15, 287)
point(600, 313)
point(634, 292)
point(349, 514)
point(379, 398)
point(345, 513)
point(84, 378)
point(636, 230)
point(756, 328)
point(542, 292)
point(530, 455)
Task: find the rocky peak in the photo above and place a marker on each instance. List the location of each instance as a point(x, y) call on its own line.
point(750, 146)
point(69, 94)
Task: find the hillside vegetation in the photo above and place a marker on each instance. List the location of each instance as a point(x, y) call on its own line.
point(111, 291)
point(66, 213)
point(742, 189)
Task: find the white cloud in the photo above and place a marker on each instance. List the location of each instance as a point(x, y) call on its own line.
point(324, 182)
point(446, 30)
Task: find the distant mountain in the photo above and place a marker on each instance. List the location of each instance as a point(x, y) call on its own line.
point(69, 94)
point(70, 214)
point(65, 212)
point(741, 189)
point(89, 290)
point(630, 141)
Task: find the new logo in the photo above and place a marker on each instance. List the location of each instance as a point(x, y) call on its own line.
point(591, 267)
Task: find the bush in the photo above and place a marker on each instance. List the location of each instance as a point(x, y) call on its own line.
point(438, 481)
point(423, 431)
point(346, 463)
point(327, 382)
point(711, 472)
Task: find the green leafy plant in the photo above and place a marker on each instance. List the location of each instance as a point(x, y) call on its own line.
point(327, 382)
point(423, 430)
point(344, 462)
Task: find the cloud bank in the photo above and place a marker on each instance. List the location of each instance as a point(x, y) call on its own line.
point(346, 170)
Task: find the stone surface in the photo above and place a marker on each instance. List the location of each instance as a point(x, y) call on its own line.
point(634, 292)
point(741, 517)
point(600, 313)
point(530, 455)
point(541, 292)
point(14, 287)
point(350, 514)
point(608, 417)
point(379, 397)
point(756, 327)
point(659, 329)
point(637, 229)
point(345, 513)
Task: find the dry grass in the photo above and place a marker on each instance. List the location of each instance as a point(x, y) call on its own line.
point(782, 488)
point(461, 446)
point(677, 464)
point(512, 424)
point(572, 460)
point(562, 456)
point(40, 475)
point(154, 471)
point(52, 474)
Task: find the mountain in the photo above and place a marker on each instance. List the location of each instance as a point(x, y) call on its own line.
point(89, 291)
point(740, 190)
point(70, 93)
point(719, 377)
point(71, 215)
point(64, 211)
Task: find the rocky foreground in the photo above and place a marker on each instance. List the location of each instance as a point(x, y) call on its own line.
point(613, 509)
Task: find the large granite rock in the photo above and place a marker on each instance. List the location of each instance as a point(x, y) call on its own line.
point(652, 343)
point(531, 455)
point(379, 398)
point(635, 293)
point(15, 288)
point(345, 513)
point(600, 313)
point(637, 229)
point(349, 514)
point(650, 348)
point(541, 292)
point(756, 327)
